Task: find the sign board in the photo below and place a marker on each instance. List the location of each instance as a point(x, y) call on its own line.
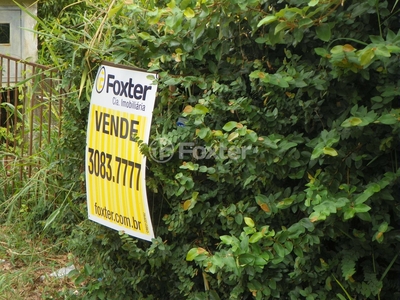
point(121, 108)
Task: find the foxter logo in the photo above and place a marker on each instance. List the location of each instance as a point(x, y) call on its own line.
point(128, 89)
point(101, 80)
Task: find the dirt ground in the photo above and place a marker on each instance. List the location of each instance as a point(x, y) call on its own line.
point(25, 266)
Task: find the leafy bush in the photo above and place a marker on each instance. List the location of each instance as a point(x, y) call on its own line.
point(302, 100)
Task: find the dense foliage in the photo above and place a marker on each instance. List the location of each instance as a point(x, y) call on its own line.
point(309, 93)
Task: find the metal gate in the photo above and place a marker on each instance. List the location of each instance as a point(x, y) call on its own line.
point(30, 116)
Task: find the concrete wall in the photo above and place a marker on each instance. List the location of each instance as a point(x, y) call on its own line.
point(28, 40)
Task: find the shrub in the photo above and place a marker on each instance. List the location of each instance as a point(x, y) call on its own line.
point(308, 93)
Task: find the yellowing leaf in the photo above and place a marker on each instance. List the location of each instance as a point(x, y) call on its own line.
point(233, 136)
point(187, 204)
point(171, 4)
point(217, 133)
point(265, 207)
point(353, 121)
point(189, 13)
point(194, 252)
point(324, 265)
point(330, 151)
point(239, 125)
point(290, 95)
point(188, 109)
point(201, 250)
point(348, 48)
point(249, 222)
point(366, 57)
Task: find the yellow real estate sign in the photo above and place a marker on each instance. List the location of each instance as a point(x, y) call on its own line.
point(121, 109)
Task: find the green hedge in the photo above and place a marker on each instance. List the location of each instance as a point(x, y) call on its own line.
point(301, 97)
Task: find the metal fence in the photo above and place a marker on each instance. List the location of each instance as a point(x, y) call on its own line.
point(30, 115)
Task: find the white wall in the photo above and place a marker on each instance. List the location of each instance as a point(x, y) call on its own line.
point(28, 38)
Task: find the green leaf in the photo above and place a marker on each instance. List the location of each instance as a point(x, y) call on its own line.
point(229, 126)
point(298, 251)
point(305, 22)
point(280, 27)
point(203, 132)
point(284, 203)
point(226, 239)
point(246, 259)
point(197, 110)
point(306, 223)
point(115, 10)
point(340, 296)
point(52, 217)
point(363, 197)
point(280, 250)
point(249, 180)
point(313, 3)
point(383, 227)
point(349, 213)
point(317, 152)
point(145, 36)
point(88, 269)
point(382, 51)
point(239, 219)
point(260, 261)
point(255, 237)
point(364, 216)
point(199, 32)
point(389, 119)
point(191, 255)
point(267, 20)
point(322, 52)
point(324, 32)
point(337, 49)
point(203, 169)
point(195, 252)
point(289, 246)
point(214, 295)
point(361, 208)
point(81, 278)
point(317, 216)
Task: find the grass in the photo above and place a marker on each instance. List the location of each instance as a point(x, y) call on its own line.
point(23, 263)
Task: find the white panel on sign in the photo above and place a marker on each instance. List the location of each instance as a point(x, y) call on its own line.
point(121, 109)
